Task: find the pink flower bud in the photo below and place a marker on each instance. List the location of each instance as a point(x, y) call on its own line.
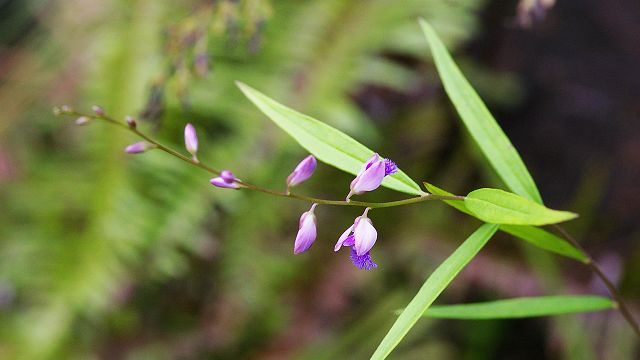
point(303, 171)
point(191, 139)
point(98, 110)
point(225, 180)
point(82, 120)
point(306, 231)
point(138, 147)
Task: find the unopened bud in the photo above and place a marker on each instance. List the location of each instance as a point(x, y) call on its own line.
point(82, 120)
point(57, 111)
point(98, 110)
point(138, 147)
point(130, 121)
point(191, 139)
point(66, 109)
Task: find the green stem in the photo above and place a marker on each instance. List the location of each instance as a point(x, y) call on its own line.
point(624, 310)
point(287, 194)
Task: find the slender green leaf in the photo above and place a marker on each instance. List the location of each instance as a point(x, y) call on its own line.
point(537, 237)
point(434, 285)
point(501, 207)
point(327, 143)
point(481, 125)
point(521, 307)
point(544, 240)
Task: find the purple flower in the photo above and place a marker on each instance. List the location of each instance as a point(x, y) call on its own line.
point(361, 236)
point(225, 180)
point(303, 171)
point(138, 147)
point(370, 176)
point(191, 140)
point(306, 231)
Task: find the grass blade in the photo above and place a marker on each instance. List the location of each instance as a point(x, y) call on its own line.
point(483, 128)
point(434, 285)
point(327, 143)
point(501, 207)
point(521, 307)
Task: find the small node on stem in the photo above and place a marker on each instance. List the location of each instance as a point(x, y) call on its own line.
point(98, 110)
point(131, 122)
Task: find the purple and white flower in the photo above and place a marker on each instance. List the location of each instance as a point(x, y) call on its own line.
point(306, 231)
point(303, 171)
point(225, 180)
point(371, 175)
point(361, 236)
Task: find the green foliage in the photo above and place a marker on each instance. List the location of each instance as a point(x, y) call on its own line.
point(433, 286)
point(482, 127)
point(328, 144)
point(521, 307)
point(536, 236)
point(501, 207)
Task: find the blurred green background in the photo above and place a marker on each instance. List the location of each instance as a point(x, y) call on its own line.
point(109, 256)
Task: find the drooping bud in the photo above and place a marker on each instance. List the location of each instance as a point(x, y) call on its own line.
point(306, 231)
point(138, 147)
point(225, 180)
point(191, 140)
point(98, 110)
point(303, 171)
point(82, 120)
point(131, 122)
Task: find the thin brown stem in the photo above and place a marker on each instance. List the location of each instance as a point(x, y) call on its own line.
point(624, 310)
point(287, 194)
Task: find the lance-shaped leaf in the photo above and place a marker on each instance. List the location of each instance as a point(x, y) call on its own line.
point(432, 288)
point(327, 143)
point(521, 307)
point(535, 236)
point(501, 207)
point(483, 128)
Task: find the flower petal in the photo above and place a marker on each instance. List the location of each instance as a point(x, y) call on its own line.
point(373, 159)
point(370, 179)
point(306, 234)
point(343, 238)
point(389, 167)
point(303, 171)
point(190, 139)
point(365, 235)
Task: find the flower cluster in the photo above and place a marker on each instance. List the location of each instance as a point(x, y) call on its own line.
point(359, 237)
